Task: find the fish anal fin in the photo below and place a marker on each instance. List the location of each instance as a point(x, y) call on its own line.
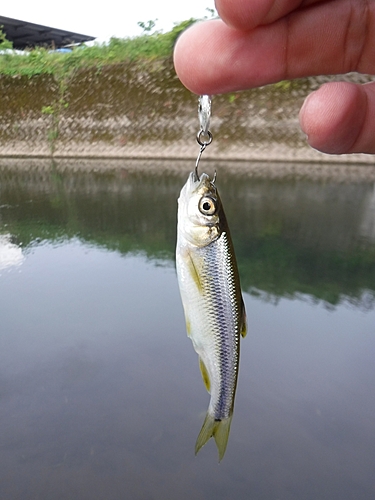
point(188, 326)
point(205, 376)
point(243, 329)
point(218, 429)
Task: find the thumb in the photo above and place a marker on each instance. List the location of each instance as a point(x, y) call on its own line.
point(340, 118)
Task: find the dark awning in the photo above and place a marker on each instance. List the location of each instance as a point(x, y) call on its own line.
point(24, 34)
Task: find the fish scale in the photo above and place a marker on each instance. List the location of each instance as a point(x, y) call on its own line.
point(222, 318)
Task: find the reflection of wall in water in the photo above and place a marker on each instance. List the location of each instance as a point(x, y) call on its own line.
point(367, 228)
point(291, 236)
point(321, 214)
point(314, 214)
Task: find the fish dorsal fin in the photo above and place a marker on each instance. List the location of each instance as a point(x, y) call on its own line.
point(243, 329)
point(205, 376)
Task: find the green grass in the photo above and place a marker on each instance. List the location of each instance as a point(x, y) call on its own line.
point(39, 61)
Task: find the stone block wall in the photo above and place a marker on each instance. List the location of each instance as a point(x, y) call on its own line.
point(133, 111)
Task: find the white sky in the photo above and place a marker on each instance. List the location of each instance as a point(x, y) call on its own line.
point(106, 18)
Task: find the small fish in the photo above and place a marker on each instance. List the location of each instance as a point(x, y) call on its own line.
point(212, 301)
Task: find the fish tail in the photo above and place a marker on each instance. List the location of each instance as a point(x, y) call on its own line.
point(219, 429)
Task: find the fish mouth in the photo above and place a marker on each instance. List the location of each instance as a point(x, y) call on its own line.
point(195, 175)
point(204, 181)
point(194, 180)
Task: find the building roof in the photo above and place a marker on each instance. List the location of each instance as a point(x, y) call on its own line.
point(24, 34)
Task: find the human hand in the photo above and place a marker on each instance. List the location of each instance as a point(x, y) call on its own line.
point(257, 42)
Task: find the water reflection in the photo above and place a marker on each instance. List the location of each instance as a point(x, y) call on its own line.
point(10, 254)
point(100, 394)
point(292, 237)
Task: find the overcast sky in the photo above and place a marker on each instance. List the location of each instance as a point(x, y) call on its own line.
point(107, 18)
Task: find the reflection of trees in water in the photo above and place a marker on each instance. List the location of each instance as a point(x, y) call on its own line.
point(305, 237)
point(292, 237)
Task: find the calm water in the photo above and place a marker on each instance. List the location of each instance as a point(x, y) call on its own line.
point(100, 391)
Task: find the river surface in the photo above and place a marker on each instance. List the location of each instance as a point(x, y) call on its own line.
point(100, 392)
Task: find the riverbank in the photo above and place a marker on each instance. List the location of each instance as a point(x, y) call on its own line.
point(339, 172)
point(178, 150)
point(127, 110)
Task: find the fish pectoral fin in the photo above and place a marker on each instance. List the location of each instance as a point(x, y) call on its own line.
point(205, 376)
point(243, 329)
point(193, 272)
point(219, 429)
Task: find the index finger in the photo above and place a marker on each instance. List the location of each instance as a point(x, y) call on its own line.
point(323, 38)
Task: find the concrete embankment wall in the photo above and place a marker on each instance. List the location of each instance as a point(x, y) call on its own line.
point(128, 111)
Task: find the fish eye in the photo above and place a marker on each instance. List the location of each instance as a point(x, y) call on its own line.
point(207, 205)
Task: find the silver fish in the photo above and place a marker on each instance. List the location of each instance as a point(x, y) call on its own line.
point(212, 301)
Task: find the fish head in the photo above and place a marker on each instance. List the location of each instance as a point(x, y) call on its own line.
point(199, 208)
